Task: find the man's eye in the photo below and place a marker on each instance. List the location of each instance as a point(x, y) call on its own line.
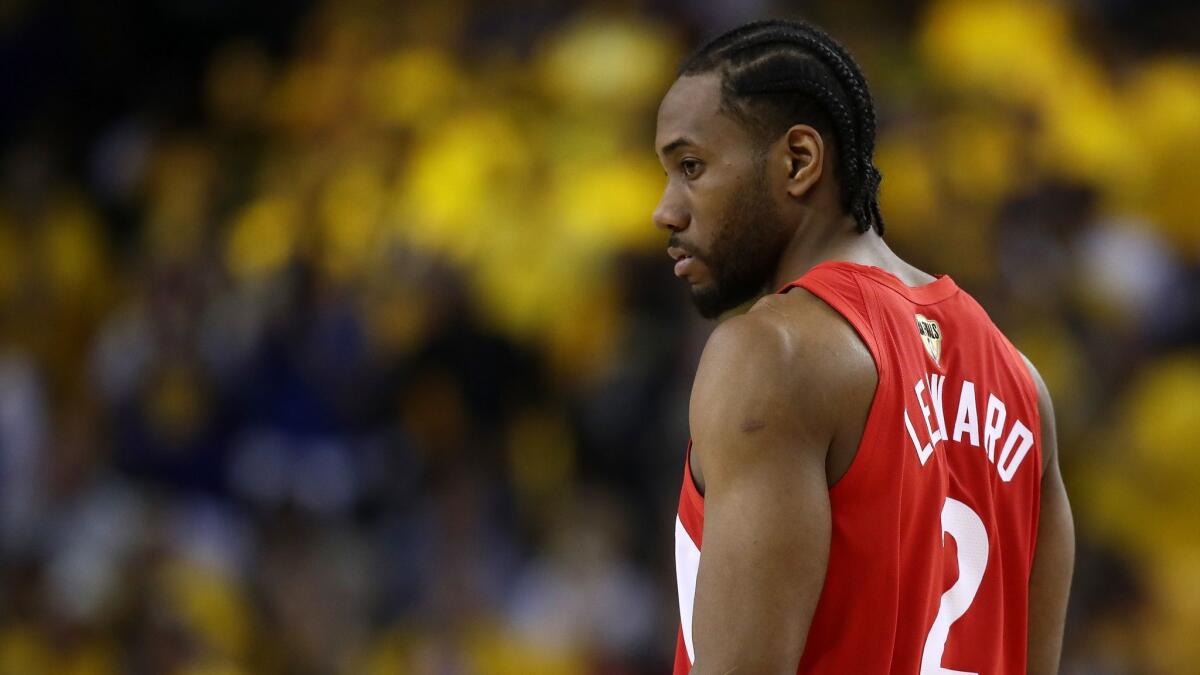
point(690, 167)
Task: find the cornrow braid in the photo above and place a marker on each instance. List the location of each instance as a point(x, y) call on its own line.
point(777, 73)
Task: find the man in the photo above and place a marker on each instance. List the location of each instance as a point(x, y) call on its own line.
point(872, 483)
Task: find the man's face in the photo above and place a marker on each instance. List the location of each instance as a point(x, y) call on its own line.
point(726, 232)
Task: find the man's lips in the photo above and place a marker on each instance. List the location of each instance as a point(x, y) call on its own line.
point(683, 260)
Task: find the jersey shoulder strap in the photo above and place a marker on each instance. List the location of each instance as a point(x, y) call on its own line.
point(837, 285)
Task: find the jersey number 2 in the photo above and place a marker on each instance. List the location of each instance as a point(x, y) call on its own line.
point(971, 538)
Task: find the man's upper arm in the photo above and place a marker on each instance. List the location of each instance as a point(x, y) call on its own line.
point(764, 410)
point(1054, 553)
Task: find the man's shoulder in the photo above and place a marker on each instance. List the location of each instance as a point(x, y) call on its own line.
point(789, 342)
point(809, 328)
point(789, 371)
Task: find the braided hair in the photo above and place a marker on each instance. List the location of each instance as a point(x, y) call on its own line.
point(776, 73)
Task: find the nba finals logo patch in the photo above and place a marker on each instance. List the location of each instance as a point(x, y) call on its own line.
point(931, 335)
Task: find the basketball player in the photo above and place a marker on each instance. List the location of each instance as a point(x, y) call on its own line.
point(872, 483)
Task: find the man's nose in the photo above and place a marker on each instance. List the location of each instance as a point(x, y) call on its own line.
point(669, 216)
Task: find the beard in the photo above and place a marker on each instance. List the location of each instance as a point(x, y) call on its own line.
point(745, 252)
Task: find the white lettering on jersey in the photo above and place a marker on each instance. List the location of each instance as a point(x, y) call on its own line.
point(993, 424)
point(919, 389)
point(1009, 461)
point(923, 451)
point(967, 418)
point(1016, 440)
point(937, 384)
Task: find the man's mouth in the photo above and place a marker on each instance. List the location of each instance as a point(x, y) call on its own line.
point(683, 260)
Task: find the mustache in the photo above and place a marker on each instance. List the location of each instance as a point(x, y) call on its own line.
point(675, 242)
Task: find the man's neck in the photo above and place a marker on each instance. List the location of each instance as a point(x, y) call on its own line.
point(842, 240)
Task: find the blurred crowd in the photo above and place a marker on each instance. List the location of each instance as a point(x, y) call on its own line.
point(335, 337)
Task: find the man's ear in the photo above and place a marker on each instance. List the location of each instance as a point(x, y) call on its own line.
point(805, 155)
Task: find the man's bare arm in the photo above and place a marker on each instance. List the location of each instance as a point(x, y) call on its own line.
point(764, 411)
point(1054, 557)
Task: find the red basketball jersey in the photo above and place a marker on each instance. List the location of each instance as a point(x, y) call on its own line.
point(934, 523)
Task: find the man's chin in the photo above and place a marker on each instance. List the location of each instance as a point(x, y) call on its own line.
point(711, 303)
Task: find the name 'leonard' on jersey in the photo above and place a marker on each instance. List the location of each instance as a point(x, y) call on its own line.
point(934, 523)
point(928, 392)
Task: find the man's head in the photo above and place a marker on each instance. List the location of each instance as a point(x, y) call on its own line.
point(755, 119)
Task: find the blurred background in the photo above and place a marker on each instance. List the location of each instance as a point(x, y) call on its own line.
point(335, 337)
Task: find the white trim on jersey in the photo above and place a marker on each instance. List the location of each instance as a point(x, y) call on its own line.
point(687, 564)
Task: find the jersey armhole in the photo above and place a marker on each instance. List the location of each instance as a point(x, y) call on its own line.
point(1034, 398)
point(690, 490)
point(860, 320)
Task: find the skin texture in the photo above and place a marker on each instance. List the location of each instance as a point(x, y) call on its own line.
point(1054, 557)
point(767, 514)
point(764, 470)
